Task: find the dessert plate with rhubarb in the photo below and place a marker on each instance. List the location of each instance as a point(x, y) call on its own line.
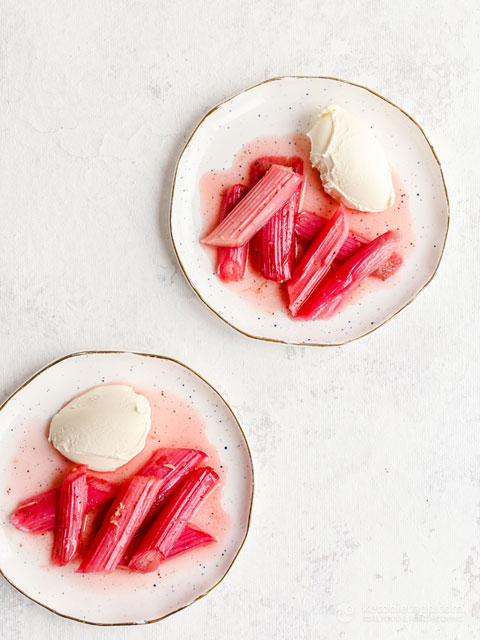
point(126, 485)
point(308, 211)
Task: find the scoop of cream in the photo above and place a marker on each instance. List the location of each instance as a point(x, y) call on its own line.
point(352, 165)
point(103, 428)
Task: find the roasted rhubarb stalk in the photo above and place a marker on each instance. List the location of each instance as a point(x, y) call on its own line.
point(308, 225)
point(37, 514)
point(122, 521)
point(190, 539)
point(317, 260)
point(71, 507)
point(171, 466)
point(277, 242)
point(254, 210)
point(232, 261)
point(273, 246)
point(339, 285)
point(172, 520)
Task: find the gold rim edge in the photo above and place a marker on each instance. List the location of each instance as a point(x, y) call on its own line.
point(286, 342)
point(250, 506)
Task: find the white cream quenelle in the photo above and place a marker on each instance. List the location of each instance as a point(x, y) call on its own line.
point(103, 428)
point(352, 164)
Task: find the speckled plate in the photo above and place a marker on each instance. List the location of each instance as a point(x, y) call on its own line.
point(122, 597)
point(287, 105)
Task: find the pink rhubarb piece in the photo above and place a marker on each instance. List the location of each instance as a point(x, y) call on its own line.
point(172, 520)
point(254, 210)
point(190, 539)
point(317, 260)
point(308, 225)
point(273, 246)
point(171, 465)
point(71, 507)
point(232, 261)
point(333, 291)
point(37, 514)
point(122, 521)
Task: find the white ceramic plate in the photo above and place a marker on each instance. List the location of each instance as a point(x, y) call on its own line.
point(130, 599)
point(286, 105)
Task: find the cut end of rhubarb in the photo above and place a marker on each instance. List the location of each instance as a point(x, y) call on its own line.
point(390, 267)
point(146, 562)
point(36, 514)
point(231, 271)
point(190, 539)
point(232, 262)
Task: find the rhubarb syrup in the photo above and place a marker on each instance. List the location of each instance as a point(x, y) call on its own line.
point(36, 466)
point(269, 296)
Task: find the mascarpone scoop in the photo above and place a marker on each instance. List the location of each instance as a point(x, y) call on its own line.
point(352, 164)
point(103, 428)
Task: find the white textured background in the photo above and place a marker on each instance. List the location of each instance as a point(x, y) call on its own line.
point(367, 515)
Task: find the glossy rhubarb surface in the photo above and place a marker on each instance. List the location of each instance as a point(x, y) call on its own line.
point(172, 520)
point(99, 492)
point(267, 197)
point(170, 465)
point(190, 539)
point(308, 225)
point(232, 261)
point(71, 507)
point(122, 521)
point(273, 246)
point(339, 285)
point(317, 260)
point(37, 514)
